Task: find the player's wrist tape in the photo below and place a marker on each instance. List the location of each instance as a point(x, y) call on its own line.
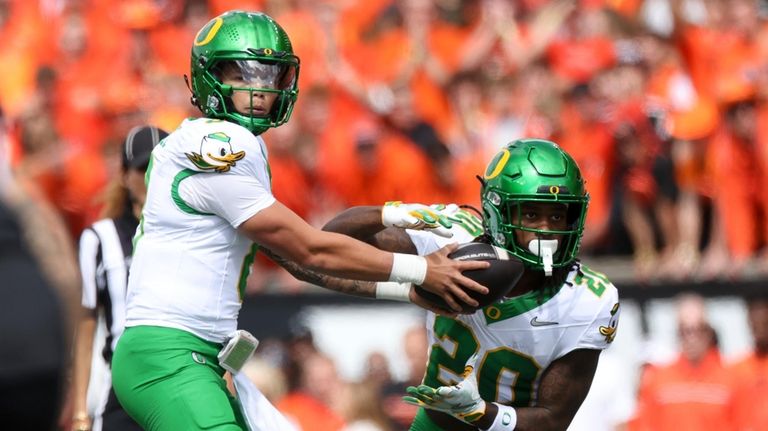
point(408, 268)
point(506, 419)
point(393, 291)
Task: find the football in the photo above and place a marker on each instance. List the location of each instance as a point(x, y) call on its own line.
point(505, 271)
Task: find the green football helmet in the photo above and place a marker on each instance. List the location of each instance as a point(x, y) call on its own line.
point(533, 170)
point(259, 50)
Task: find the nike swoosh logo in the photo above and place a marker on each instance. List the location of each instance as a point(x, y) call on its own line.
point(536, 322)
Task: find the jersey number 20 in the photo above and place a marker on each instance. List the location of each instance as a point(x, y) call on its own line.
point(445, 367)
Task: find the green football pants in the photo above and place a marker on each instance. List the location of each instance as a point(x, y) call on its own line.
point(170, 380)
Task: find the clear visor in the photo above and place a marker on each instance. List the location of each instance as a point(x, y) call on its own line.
point(256, 74)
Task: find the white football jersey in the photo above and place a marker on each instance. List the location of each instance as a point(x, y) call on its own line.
point(190, 264)
point(517, 338)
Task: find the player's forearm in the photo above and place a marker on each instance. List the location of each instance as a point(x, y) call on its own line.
point(330, 253)
point(341, 256)
point(285, 233)
point(365, 224)
point(362, 223)
point(562, 390)
point(81, 372)
point(342, 285)
point(526, 419)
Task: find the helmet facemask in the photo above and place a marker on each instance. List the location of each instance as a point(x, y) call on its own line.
point(240, 60)
point(249, 78)
point(530, 173)
point(507, 218)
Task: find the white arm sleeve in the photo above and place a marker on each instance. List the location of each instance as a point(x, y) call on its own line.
point(427, 242)
point(89, 249)
point(424, 241)
point(235, 198)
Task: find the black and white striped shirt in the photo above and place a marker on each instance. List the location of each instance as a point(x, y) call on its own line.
point(105, 256)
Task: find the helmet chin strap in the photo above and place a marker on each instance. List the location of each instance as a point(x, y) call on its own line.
point(544, 248)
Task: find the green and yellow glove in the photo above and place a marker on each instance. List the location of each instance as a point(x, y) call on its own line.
point(418, 217)
point(461, 400)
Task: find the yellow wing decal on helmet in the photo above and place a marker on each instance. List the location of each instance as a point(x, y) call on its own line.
point(211, 32)
point(503, 158)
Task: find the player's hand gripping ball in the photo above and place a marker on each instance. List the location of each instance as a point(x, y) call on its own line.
point(503, 274)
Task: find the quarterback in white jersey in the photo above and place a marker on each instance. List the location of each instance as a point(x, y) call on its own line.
point(189, 266)
point(191, 262)
point(525, 362)
point(209, 200)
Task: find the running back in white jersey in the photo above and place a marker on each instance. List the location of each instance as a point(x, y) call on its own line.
point(190, 263)
point(518, 338)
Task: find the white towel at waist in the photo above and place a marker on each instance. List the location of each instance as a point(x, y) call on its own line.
point(260, 414)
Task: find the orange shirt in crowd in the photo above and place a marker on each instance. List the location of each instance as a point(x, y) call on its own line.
point(739, 68)
point(691, 118)
point(391, 169)
point(751, 393)
point(309, 42)
point(364, 164)
point(724, 64)
point(165, 40)
point(684, 396)
point(733, 173)
point(596, 161)
point(580, 60)
point(466, 190)
point(80, 111)
point(701, 50)
point(290, 184)
point(429, 96)
point(738, 176)
point(356, 17)
point(762, 159)
point(218, 7)
point(22, 51)
point(309, 413)
point(385, 57)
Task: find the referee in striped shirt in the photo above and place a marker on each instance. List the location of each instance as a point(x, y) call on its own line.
point(105, 254)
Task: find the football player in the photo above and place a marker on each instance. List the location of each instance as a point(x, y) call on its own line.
point(208, 201)
point(527, 361)
point(105, 256)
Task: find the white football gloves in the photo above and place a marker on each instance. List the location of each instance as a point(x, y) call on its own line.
point(419, 217)
point(461, 400)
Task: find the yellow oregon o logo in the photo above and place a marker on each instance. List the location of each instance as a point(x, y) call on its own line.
point(211, 33)
point(267, 51)
point(499, 165)
point(554, 190)
point(493, 313)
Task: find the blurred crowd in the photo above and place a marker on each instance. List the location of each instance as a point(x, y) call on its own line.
point(693, 388)
point(304, 383)
point(659, 101)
